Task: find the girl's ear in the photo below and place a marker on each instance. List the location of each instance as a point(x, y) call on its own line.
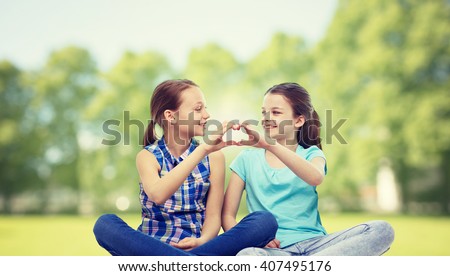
point(299, 121)
point(169, 116)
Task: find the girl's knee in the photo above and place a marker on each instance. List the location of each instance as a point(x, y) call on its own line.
point(252, 251)
point(261, 225)
point(257, 251)
point(266, 218)
point(383, 229)
point(388, 231)
point(103, 222)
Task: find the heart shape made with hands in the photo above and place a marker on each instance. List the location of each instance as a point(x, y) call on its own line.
point(235, 134)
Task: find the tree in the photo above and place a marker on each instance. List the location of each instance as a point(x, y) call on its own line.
point(384, 65)
point(285, 59)
point(117, 119)
point(19, 142)
point(63, 88)
point(213, 68)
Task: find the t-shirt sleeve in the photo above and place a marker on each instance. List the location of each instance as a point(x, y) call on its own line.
point(238, 165)
point(313, 152)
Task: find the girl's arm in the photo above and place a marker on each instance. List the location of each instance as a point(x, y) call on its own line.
point(160, 189)
point(311, 172)
point(212, 223)
point(231, 205)
point(232, 200)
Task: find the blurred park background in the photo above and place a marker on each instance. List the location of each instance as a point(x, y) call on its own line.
point(378, 76)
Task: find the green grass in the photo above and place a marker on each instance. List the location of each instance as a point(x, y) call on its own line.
point(414, 235)
point(72, 236)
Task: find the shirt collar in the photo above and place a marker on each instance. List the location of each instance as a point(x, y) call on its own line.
point(168, 155)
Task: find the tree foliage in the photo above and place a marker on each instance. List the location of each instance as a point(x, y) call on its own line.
point(69, 132)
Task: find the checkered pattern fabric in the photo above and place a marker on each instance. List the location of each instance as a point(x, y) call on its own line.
point(183, 214)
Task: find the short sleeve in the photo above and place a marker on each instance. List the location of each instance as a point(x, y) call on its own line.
point(313, 152)
point(238, 165)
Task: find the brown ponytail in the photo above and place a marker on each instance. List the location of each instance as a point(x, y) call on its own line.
point(167, 96)
point(149, 136)
point(308, 134)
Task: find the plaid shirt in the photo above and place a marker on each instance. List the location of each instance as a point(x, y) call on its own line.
point(183, 214)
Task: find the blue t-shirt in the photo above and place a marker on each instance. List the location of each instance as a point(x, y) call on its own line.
point(291, 200)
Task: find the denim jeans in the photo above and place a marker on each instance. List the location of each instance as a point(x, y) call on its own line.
point(119, 239)
point(372, 238)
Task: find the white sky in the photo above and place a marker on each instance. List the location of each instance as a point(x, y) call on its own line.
point(30, 29)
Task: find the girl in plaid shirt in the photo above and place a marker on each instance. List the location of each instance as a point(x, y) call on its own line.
point(181, 186)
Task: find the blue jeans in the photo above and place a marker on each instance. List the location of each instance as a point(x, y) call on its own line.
point(372, 238)
point(255, 230)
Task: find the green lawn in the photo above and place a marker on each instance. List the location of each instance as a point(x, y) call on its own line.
point(72, 236)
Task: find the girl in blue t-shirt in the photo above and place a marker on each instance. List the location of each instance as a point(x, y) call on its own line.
point(181, 186)
point(281, 176)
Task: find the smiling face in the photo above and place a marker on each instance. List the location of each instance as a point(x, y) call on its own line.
point(191, 116)
point(279, 121)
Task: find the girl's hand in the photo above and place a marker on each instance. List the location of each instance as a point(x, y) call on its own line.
point(255, 139)
point(188, 243)
point(273, 244)
point(215, 142)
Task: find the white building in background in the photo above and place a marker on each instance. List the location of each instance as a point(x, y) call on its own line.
point(388, 195)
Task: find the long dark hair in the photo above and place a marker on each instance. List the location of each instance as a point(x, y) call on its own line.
point(308, 134)
point(167, 95)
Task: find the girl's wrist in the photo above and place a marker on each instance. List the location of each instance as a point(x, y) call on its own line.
point(271, 146)
point(202, 240)
point(205, 149)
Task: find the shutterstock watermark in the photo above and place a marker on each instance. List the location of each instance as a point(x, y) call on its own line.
point(119, 131)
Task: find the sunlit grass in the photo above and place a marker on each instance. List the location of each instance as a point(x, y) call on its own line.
point(414, 235)
point(72, 236)
point(48, 236)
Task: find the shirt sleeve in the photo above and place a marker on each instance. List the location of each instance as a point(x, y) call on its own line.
point(314, 152)
point(238, 165)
